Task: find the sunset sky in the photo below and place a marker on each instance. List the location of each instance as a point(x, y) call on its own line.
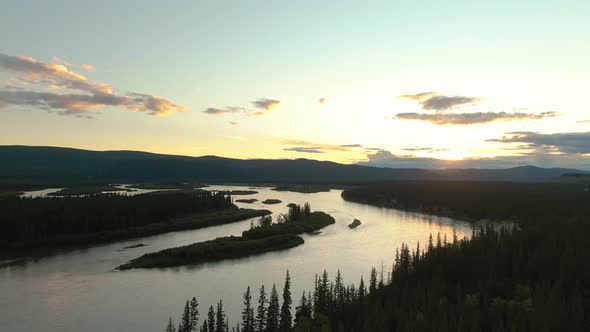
point(388, 83)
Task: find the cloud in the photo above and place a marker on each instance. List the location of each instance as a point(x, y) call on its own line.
point(435, 102)
point(321, 146)
point(79, 94)
point(265, 103)
point(54, 76)
point(385, 158)
point(420, 96)
point(85, 66)
point(472, 118)
point(569, 143)
point(424, 149)
point(304, 149)
point(583, 121)
point(88, 67)
point(233, 123)
point(78, 104)
point(322, 101)
point(226, 110)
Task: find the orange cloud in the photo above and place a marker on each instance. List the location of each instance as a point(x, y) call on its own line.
point(89, 94)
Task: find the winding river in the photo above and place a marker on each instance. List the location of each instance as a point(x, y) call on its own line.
point(79, 290)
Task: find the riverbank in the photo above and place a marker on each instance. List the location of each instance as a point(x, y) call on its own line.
point(255, 241)
point(189, 222)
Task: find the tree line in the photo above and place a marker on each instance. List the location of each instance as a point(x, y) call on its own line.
point(43, 218)
point(533, 276)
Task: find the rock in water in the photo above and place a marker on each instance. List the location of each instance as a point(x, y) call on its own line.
point(355, 223)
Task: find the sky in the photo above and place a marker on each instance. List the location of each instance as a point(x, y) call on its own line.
point(386, 83)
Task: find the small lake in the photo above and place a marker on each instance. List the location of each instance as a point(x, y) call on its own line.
point(79, 290)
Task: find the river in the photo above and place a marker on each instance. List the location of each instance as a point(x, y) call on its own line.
point(79, 290)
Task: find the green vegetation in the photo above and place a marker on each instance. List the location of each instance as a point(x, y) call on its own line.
point(64, 221)
point(271, 201)
point(247, 200)
point(87, 190)
point(261, 238)
point(307, 224)
point(213, 250)
point(534, 276)
point(525, 202)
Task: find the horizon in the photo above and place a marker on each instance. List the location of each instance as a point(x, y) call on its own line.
point(457, 166)
point(390, 85)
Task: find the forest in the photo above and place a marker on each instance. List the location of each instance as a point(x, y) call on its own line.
point(58, 221)
point(263, 236)
point(533, 276)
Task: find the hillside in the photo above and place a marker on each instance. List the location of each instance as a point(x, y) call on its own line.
point(36, 165)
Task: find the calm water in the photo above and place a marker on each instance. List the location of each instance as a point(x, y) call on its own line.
point(79, 291)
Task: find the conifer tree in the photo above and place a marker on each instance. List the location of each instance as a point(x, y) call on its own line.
point(170, 327)
point(185, 321)
point(373, 281)
point(286, 319)
point(220, 325)
point(261, 310)
point(248, 313)
point(194, 315)
point(211, 319)
point(362, 289)
point(272, 316)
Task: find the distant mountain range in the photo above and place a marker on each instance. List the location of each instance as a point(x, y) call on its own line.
point(21, 165)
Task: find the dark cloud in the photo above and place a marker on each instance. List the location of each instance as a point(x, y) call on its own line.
point(571, 143)
point(226, 110)
point(433, 101)
point(351, 145)
point(265, 103)
point(304, 149)
point(472, 118)
point(89, 95)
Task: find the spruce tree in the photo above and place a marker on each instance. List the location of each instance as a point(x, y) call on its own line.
point(261, 310)
point(272, 316)
point(170, 327)
point(373, 281)
point(185, 321)
point(194, 315)
point(220, 318)
point(211, 319)
point(362, 289)
point(286, 320)
point(248, 313)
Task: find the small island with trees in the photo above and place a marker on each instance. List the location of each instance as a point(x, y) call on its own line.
point(262, 237)
point(271, 201)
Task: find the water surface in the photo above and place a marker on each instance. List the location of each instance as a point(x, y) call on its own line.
point(79, 290)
